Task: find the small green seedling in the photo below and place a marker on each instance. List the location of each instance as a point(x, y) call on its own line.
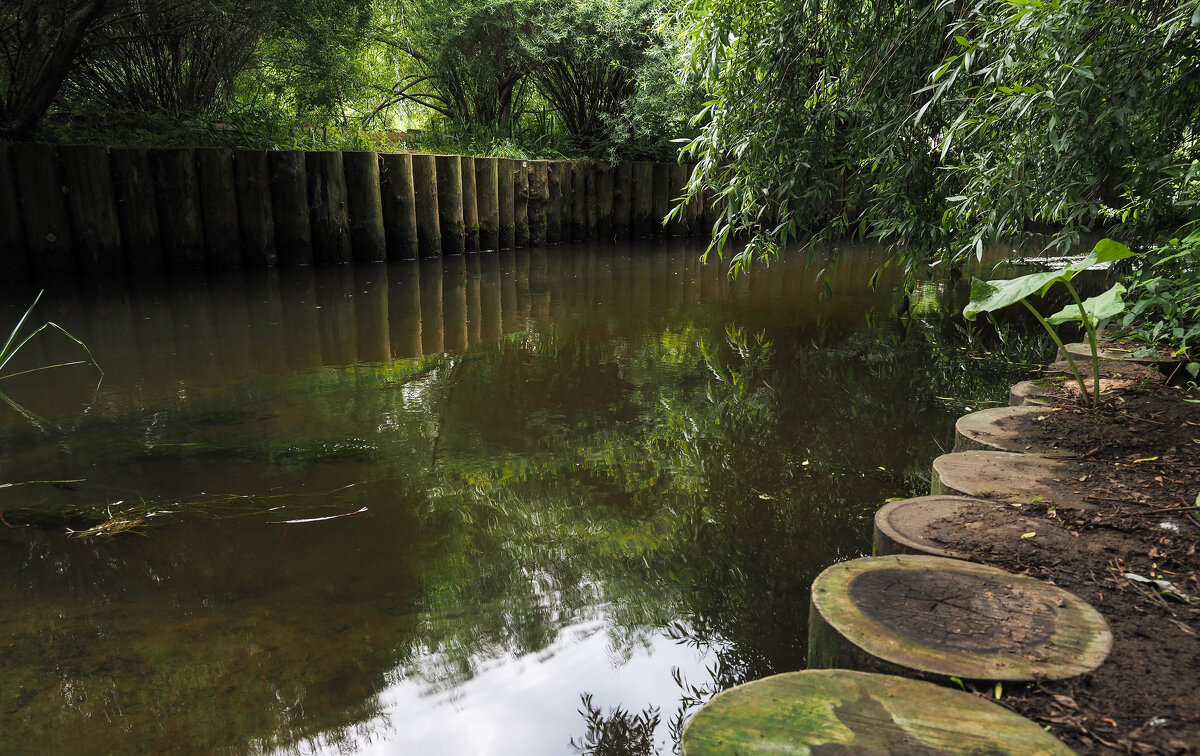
point(988, 296)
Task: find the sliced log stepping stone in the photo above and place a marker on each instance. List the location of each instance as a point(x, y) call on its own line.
point(902, 527)
point(1122, 352)
point(1009, 477)
point(845, 713)
point(962, 527)
point(1003, 429)
point(935, 618)
point(1027, 393)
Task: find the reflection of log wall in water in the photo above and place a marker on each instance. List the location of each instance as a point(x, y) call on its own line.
point(191, 329)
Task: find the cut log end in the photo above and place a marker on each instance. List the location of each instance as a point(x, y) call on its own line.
point(855, 713)
point(937, 618)
point(1003, 429)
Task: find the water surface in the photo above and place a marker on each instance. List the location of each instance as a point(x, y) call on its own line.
point(478, 505)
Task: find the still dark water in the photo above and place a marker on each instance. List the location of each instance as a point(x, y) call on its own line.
point(447, 507)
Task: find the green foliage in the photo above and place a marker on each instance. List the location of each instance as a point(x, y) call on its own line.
point(947, 128)
point(584, 57)
point(989, 296)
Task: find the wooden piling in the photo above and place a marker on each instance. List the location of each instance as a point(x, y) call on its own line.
point(364, 202)
point(605, 182)
point(328, 214)
point(487, 203)
point(591, 204)
point(450, 204)
point(677, 226)
point(425, 189)
point(695, 208)
point(399, 206)
point(133, 192)
point(622, 205)
point(661, 202)
point(566, 171)
point(252, 184)
point(13, 260)
point(47, 227)
point(508, 212)
point(96, 229)
point(470, 200)
point(218, 207)
point(553, 202)
point(521, 202)
point(178, 202)
point(642, 192)
point(539, 199)
point(579, 201)
point(289, 206)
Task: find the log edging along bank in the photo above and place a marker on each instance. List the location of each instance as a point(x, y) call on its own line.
point(68, 209)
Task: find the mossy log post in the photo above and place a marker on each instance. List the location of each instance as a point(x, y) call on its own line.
point(364, 204)
point(178, 194)
point(487, 198)
point(425, 188)
point(13, 261)
point(622, 205)
point(399, 206)
point(252, 184)
point(936, 618)
point(508, 211)
point(902, 527)
point(1029, 393)
point(539, 200)
point(579, 201)
point(328, 213)
point(643, 200)
point(289, 205)
point(677, 225)
point(661, 189)
point(520, 179)
point(43, 209)
point(450, 204)
point(1009, 477)
point(852, 713)
point(554, 202)
point(218, 207)
point(1004, 429)
point(604, 201)
point(95, 228)
point(470, 195)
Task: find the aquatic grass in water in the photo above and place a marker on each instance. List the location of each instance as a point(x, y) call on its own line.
point(16, 341)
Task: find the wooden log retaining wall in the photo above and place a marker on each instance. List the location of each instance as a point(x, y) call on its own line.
point(91, 209)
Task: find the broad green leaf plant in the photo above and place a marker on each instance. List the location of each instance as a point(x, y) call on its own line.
point(988, 296)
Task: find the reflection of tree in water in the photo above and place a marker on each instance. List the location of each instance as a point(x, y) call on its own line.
point(676, 475)
point(617, 732)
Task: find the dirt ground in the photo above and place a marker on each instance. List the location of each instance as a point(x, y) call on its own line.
point(1139, 468)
